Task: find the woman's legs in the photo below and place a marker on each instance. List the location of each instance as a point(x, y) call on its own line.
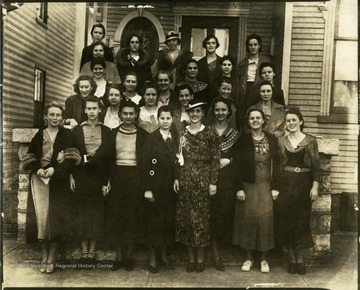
point(84, 250)
point(247, 265)
point(163, 255)
point(214, 250)
point(52, 252)
point(200, 255)
point(92, 250)
point(152, 256)
point(44, 251)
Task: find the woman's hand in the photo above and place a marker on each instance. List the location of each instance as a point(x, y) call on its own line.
point(176, 185)
point(314, 192)
point(49, 172)
point(41, 173)
point(212, 189)
point(240, 195)
point(149, 196)
point(224, 162)
point(105, 190)
point(72, 122)
point(275, 194)
point(72, 183)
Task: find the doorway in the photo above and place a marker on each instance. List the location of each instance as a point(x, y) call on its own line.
point(194, 30)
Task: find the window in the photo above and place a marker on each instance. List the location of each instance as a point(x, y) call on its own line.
point(39, 97)
point(42, 13)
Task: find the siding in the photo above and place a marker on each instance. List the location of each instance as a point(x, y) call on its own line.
point(26, 44)
point(305, 91)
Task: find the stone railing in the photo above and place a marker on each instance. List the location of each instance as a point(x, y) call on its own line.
point(321, 210)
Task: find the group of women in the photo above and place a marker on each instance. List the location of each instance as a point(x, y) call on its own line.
point(214, 161)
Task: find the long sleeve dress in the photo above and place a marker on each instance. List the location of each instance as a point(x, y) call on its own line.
point(201, 165)
point(222, 204)
point(293, 208)
point(49, 209)
point(254, 222)
point(90, 177)
point(159, 175)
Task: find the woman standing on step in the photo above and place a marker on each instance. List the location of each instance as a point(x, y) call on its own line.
point(257, 188)
point(48, 200)
point(300, 177)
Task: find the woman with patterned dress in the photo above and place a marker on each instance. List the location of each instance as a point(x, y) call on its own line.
point(160, 198)
point(49, 200)
point(300, 177)
point(257, 187)
point(195, 183)
point(222, 204)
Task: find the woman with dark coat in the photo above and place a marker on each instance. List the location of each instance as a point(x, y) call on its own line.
point(48, 200)
point(89, 179)
point(257, 187)
point(97, 34)
point(125, 225)
point(209, 65)
point(134, 58)
point(160, 197)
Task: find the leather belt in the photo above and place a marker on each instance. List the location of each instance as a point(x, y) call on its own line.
point(296, 169)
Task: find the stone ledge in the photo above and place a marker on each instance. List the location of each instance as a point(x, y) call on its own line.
point(322, 204)
point(24, 135)
point(328, 146)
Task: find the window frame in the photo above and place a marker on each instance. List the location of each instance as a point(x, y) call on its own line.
point(39, 96)
point(42, 14)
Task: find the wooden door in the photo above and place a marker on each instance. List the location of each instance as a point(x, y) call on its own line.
point(194, 30)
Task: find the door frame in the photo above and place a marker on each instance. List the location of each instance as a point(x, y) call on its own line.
point(229, 9)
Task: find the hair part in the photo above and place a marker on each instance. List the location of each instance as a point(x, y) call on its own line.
point(184, 87)
point(97, 60)
point(99, 25)
point(247, 116)
point(266, 64)
point(129, 104)
point(296, 111)
point(165, 72)
point(165, 109)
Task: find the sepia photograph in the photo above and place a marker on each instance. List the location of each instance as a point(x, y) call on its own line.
point(180, 144)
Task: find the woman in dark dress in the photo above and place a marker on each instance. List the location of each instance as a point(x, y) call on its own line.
point(89, 179)
point(48, 200)
point(74, 114)
point(135, 58)
point(300, 177)
point(222, 204)
point(126, 199)
point(257, 187)
point(97, 34)
point(159, 165)
point(209, 65)
point(195, 183)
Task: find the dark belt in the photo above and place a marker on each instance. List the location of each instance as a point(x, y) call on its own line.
point(296, 169)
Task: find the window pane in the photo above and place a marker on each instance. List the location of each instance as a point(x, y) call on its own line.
point(197, 37)
point(346, 60)
point(348, 18)
point(345, 95)
point(223, 37)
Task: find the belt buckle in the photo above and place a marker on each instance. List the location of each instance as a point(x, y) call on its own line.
point(297, 169)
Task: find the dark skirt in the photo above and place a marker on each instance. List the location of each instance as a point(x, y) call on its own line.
point(293, 211)
point(90, 204)
point(125, 202)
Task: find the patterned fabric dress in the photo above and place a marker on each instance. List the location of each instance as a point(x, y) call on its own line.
point(201, 163)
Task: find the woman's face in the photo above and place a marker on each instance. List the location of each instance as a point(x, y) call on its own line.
point(172, 44)
point(266, 92)
point(98, 51)
point(293, 123)
point(165, 120)
point(256, 120)
point(185, 97)
point(196, 115)
point(211, 45)
point(254, 46)
point(92, 110)
point(97, 34)
point(114, 97)
point(163, 82)
point(130, 83)
point(54, 117)
point(98, 71)
point(221, 111)
point(85, 88)
point(226, 67)
point(134, 44)
point(192, 70)
point(267, 74)
point(225, 90)
point(150, 97)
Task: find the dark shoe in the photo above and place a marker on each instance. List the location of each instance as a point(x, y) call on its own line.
point(153, 269)
point(219, 265)
point(168, 265)
point(116, 265)
point(190, 267)
point(301, 268)
point(292, 268)
point(199, 267)
point(129, 265)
